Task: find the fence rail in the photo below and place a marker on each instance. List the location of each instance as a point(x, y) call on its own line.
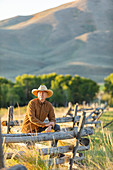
point(36, 137)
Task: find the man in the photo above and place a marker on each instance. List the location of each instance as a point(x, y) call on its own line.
point(37, 111)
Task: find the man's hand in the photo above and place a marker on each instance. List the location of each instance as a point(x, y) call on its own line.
point(50, 124)
point(48, 129)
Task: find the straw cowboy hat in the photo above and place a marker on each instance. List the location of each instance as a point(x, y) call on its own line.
point(43, 88)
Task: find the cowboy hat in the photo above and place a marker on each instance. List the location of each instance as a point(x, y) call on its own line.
point(43, 88)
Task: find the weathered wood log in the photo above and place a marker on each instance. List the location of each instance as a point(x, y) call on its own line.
point(92, 122)
point(60, 149)
point(90, 116)
point(48, 151)
point(47, 136)
point(69, 110)
point(99, 115)
point(98, 112)
point(13, 123)
point(58, 120)
point(63, 160)
point(84, 141)
point(9, 117)
point(16, 167)
point(56, 161)
point(85, 109)
point(76, 106)
point(31, 134)
point(1, 150)
point(66, 119)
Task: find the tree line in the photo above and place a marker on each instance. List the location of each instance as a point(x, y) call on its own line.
point(66, 89)
point(108, 89)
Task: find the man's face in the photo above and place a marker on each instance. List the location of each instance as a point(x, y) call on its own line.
point(42, 95)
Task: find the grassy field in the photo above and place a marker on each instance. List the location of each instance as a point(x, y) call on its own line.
point(100, 155)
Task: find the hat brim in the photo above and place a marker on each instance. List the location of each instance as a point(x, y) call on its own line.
point(49, 92)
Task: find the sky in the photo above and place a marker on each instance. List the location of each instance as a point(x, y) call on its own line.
point(12, 8)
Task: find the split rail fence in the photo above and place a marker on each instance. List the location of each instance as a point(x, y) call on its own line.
point(83, 125)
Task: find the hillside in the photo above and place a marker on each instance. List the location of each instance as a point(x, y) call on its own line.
point(75, 38)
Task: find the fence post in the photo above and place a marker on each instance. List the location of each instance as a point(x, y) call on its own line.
point(84, 103)
point(1, 151)
point(80, 129)
point(76, 107)
point(9, 118)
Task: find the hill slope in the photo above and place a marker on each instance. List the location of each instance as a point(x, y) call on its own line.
point(75, 38)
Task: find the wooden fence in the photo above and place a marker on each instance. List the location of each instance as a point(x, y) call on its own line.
point(80, 130)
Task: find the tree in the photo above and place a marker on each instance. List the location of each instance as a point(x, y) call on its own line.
point(74, 84)
point(28, 82)
point(5, 84)
point(5, 81)
point(88, 89)
point(61, 95)
point(47, 78)
point(108, 83)
point(3, 93)
point(12, 98)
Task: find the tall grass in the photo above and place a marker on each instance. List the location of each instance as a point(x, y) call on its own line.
point(100, 155)
point(31, 160)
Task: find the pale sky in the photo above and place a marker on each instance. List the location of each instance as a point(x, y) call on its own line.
point(11, 8)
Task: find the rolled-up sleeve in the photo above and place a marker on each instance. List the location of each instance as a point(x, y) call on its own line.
point(32, 117)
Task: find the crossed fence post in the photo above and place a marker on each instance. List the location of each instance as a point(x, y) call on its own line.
point(78, 137)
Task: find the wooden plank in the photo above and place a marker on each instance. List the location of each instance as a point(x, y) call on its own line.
point(9, 118)
point(56, 161)
point(76, 107)
point(63, 160)
point(1, 150)
point(8, 121)
point(69, 110)
point(90, 116)
point(48, 151)
point(36, 137)
point(58, 120)
point(85, 109)
point(98, 116)
point(31, 134)
point(60, 149)
point(11, 113)
point(63, 120)
point(92, 122)
point(16, 167)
